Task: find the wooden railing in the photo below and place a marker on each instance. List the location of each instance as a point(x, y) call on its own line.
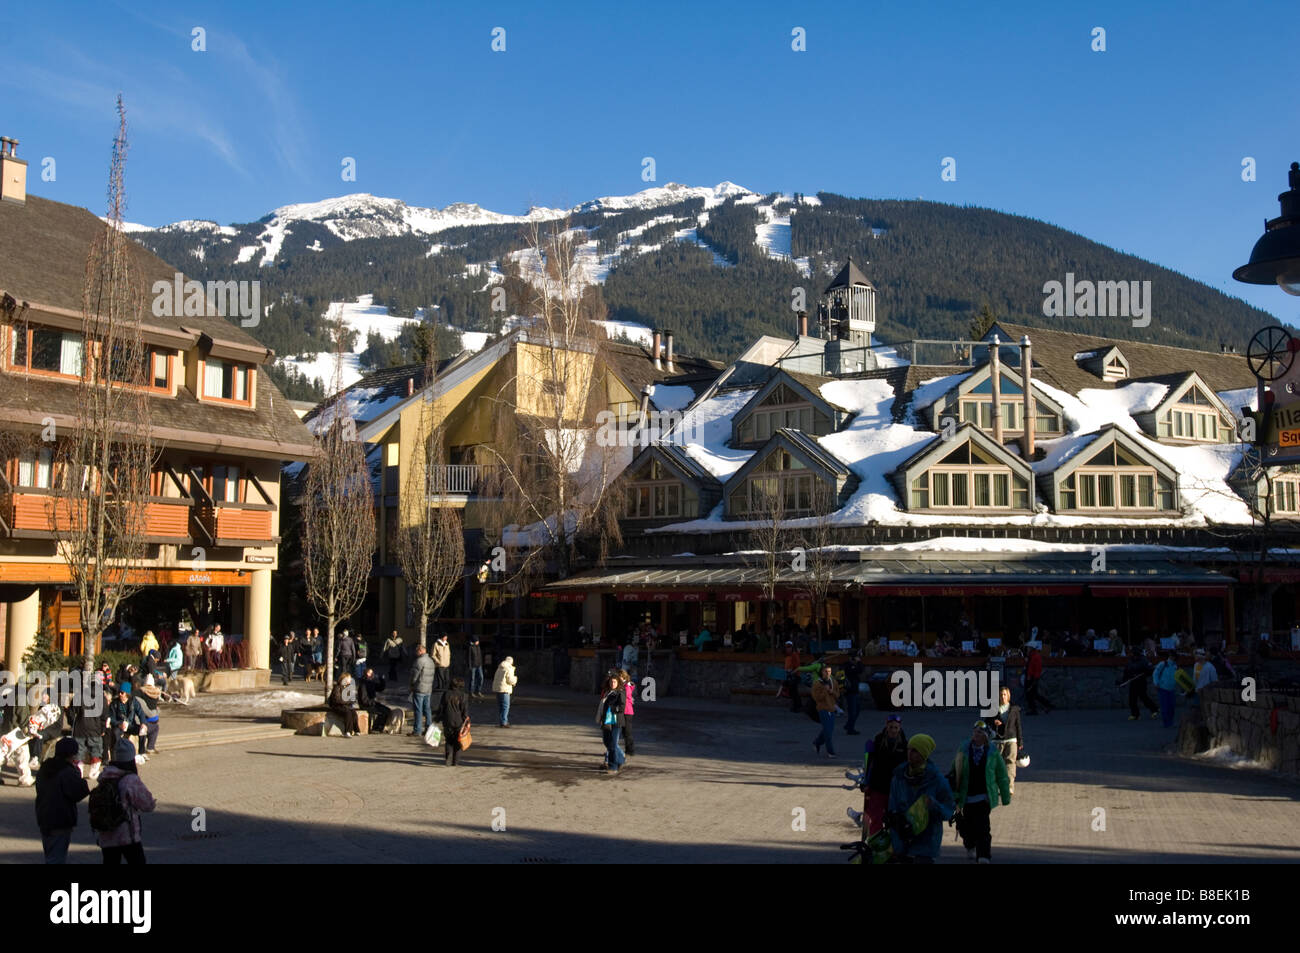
point(235, 521)
point(459, 478)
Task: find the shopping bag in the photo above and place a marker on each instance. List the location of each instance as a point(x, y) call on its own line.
point(465, 738)
point(433, 736)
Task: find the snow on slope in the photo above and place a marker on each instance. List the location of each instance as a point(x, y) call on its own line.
point(362, 316)
point(669, 194)
point(772, 234)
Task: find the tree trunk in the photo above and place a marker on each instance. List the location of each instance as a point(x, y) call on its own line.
point(424, 629)
point(329, 655)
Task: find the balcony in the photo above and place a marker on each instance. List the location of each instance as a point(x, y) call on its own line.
point(234, 524)
point(465, 479)
point(33, 512)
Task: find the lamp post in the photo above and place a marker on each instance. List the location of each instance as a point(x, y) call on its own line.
point(1275, 258)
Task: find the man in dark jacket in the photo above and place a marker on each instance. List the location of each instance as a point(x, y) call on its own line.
point(422, 689)
point(368, 688)
point(59, 786)
point(1136, 673)
point(881, 757)
point(347, 653)
point(288, 656)
point(475, 667)
point(124, 716)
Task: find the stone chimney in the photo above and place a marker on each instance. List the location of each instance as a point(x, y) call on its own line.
point(995, 377)
point(803, 324)
point(654, 349)
point(668, 360)
point(1026, 374)
point(13, 173)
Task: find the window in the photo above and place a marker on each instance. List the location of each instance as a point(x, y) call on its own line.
point(34, 468)
point(982, 488)
point(225, 484)
point(781, 408)
point(654, 492)
point(225, 380)
point(1113, 479)
point(980, 413)
point(1285, 495)
point(49, 350)
point(781, 483)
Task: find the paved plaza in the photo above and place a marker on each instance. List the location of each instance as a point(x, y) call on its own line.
point(711, 782)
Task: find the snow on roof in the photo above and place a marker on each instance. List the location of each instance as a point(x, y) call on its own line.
point(671, 396)
point(1234, 400)
point(706, 429)
point(930, 391)
point(1138, 397)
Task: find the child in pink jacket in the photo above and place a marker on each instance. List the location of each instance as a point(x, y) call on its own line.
point(630, 690)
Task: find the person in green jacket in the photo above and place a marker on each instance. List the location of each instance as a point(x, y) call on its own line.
point(979, 779)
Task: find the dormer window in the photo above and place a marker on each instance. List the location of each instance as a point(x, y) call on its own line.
point(1114, 479)
point(1193, 417)
point(788, 401)
point(1115, 370)
point(47, 350)
point(227, 380)
point(1285, 499)
point(1108, 363)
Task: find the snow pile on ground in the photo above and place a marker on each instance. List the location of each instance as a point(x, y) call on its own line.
point(1225, 757)
point(252, 703)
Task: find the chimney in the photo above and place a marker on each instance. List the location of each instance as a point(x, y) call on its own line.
point(995, 376)
point(410, 387)
point(669, 346)
point(803, 324)
point(642, 438)
point(13, 173)
point(654, 350)
point(1026, 374)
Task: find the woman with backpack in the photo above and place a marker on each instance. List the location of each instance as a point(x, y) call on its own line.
point(343, 700)
point(116, 805)
point(609, 716)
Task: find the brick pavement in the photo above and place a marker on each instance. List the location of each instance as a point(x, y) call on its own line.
point(711, 782)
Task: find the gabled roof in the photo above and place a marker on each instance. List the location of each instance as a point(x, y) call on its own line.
point(635, 367)
point(983, 372)
point(676, 458)
point(849, 275)
point(380, 389)
point(1107, 435)
point(938, 448)
point(813, 455)
point(1055, 351)
point(807, 385)
point(1179, 384)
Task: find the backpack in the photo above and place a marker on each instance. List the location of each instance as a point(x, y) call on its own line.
point(105, 806)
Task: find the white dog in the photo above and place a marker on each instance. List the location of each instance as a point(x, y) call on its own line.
point(14, 751)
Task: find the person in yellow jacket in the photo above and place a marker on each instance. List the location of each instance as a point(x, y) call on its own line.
point(149, 644)
point(979, 780)
point(826, 695)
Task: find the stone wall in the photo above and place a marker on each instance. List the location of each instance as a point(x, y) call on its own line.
point(1266, 730)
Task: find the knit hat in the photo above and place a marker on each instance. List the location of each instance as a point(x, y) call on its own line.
point(922, 743)
point(66, 748)
point(125, 751)
point(125, 687)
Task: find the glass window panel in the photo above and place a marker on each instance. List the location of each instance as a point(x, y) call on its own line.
point(986, 415)
point(982, 495)
point(1001, 489)
point(1128, 490)
point(674, 500)
point(47, 350)
point(920, 496)
point(1106, 490)
point(939, 487)
point(213, 373)
point(18, 352)
point(661, 500)
point(1166, 494)
point(241, 382)
point(161, 365)
point(1146, 491)
point(1087, 491)
point(970, 412)
point(960, 490)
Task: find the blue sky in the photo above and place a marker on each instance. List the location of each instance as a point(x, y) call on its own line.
point(1140, 146)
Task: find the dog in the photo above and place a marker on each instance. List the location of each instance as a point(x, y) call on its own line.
point(316, 672)
point(14, 750)
point(395, 721)
point(181, 688)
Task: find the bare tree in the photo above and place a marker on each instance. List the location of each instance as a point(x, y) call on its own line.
point(817, 538)
point(772, 531)
point(338, 519)
point(548, 467)
point(430, 543)
point(102, 469)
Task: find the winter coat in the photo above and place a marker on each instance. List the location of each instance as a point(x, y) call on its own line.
point(128, 711)
point(393, 648)
point(903, 792)
point(611, 708)
point(883, 759)
point(422, 675)
point(1165, 676)
point(193, 645)
point(504, 680)
point(1011, 727)
point(475, 655)
point(826, 695)
point(347, 648)
point(451, 712)
point(996, 782)
point(174, 658)
point(1204, 674)
point(135, 798)
point(630, 691)
point(441, 654)
point(148, 703)
point(1035, 667)
point(59, 786)
point(348, 693)
point(289, 650)
point(148, 644)
point(368, 690)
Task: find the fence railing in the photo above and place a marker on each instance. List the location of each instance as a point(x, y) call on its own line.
point(467, 478)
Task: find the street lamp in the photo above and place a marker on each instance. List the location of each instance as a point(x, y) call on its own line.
point(1276, 256)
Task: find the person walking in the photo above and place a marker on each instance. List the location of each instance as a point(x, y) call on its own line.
point(475, 667)
point(882, 756)
point(288, 657)
point(88, 733)
point(609, 716)
point(852, 698)
point(1165, 677)
point(1033, 675)
point(453, 712)
point(979, 781)
point(393, 653)
point(121, 842)
point(193, 649)
point(174, 660)
point(826, 695)
point(441, 663)
point(59, 786)
point(148, 697)
point(347, 653)
point(629, 690)
point(1009, 730)
point(921, 795)
point(421, 690)
point(343, 700)
point(1135, 674)
point(503, 683)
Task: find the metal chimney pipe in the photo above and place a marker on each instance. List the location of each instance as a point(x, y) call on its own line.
point(654, 350)
point(1031, 408)
point(995, 363)
point(669, 360)
point(803, 324)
